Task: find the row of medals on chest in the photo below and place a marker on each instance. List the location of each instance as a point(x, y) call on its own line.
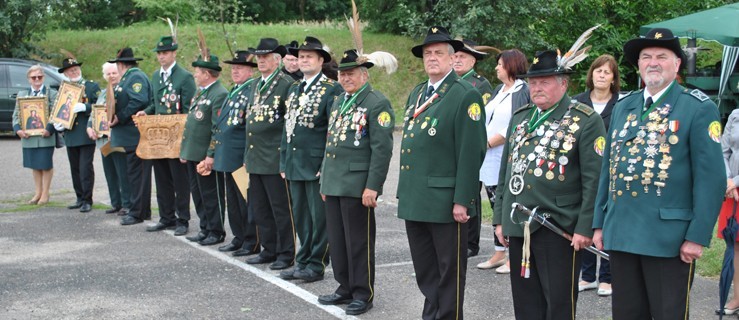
point(306, 110)
point(341, 124)
point(654, 140)
point(201, 102)
point(426, 122)
point(236, 109)
point(261, 109)
point(169, 97)
point(552, 148)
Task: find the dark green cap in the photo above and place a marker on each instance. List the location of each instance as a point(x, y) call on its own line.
point(211, 63)
point(166, 43)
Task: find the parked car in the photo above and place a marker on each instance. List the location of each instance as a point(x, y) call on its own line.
point(13, 79)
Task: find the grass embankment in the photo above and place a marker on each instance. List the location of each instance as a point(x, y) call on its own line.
point(93, 48)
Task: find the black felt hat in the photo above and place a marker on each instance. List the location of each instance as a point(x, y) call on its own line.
point(469, 47)
point(657, 37)
point(436, 34)
point(544, 64)
point(269, 45)
point(349, 61)
point(293, 44)
point(166, 43)
point(68, 63)
point(125, 55)
point(312, 44)
point(243, 57)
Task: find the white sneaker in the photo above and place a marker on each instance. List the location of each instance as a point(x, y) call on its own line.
point(604, 289)
point(584, 285)
point(503, 269)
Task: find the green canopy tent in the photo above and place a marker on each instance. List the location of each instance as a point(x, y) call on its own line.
point(719, 24)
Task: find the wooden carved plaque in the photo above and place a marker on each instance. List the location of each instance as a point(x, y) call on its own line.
point(161, 135)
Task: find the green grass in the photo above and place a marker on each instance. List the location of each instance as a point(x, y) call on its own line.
point(95, 47)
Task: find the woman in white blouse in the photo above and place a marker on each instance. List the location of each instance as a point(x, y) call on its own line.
point(507, 97)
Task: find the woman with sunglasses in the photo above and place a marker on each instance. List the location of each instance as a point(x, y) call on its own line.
point(38, 151)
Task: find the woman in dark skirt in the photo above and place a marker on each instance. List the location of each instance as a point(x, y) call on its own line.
point(38, 151)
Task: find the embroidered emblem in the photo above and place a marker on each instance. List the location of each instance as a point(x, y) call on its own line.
point(699, 95)
point(136, 87)
point(714, 131)
point(384, 119)
point(474, 111)
point(599, 145)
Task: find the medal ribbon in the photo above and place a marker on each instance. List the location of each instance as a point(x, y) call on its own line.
point(268, 80)
point(347, 103)
point(540, 118)
point(424, 105)
point(468, 73)
point(656, 103)
point(239, 88)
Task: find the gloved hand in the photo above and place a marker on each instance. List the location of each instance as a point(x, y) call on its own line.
point(58, 126)
point(79, 107)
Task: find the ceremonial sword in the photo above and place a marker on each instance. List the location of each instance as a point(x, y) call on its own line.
point(543, 220)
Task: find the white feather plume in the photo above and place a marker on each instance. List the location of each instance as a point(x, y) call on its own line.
point(575, 55)
point(172, 27)
point(383, 60)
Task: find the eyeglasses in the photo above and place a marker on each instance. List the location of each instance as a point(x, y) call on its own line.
point(36, 77)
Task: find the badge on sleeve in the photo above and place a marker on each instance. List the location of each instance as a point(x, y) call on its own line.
point(474, 111)
point(599, 145)
point(714, 131)
point(136, 87)
point(384, 119)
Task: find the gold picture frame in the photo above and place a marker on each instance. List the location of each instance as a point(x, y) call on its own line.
point(100, 123)
point(62, 112)
point(33, 114)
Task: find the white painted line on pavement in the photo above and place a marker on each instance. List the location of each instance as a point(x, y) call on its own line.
point(285, 285)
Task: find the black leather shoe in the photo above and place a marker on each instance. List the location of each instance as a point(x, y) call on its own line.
point(129, 220)
point(180, 231)
point(279, 265)
point(113, 210)
point(245, 252)
point(229, 247)
point(471, 253)
point(212, 239)
point(147, 216)
point(159, 227)
point(288, 274)
point(123, 212)
point(86, 207)
point(75, 205)
point(333, 299)
point(358, 307)
point(260, 260)
point(198, 237)
point(307, 275)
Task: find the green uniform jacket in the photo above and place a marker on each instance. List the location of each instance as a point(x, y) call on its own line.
point(37, 141)
point(230, 136)
point(132, 95)
point(197, 138)
point(264, 125)
point(174, 95)
point(304, 135)
point(362, 159)
point(77, 136)
point(568, 192)
point(441, 153)
point(481, 84)
point(640, 221)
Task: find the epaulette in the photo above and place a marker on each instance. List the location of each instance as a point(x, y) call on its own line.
point(524, 107)
point(697, 94)
point(583, 108)
point(478, 76)
point(630, 94)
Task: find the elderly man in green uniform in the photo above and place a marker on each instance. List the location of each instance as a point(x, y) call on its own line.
point(303, 142)
point(173, 88)
point(198, 148)
point(358, 152)
point(132, 94)
point(464, 66)
point(440, 156)
point(268, 193)
point(80, 148)
point(552, 161)
point(230, 138)
point(661, 185)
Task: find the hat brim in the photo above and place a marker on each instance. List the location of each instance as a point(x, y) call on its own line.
point(125, 60)
point(544, 73)
point(352, 65)
point(418, 50)
point(168, 48)
point(295, 51)
point(242, 63)
point(280, 50)
point(478, 55)
point(207, 65)
point(61, 70)
point(633, 48)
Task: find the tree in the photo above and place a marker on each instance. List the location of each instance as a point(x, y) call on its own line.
point(22, 21)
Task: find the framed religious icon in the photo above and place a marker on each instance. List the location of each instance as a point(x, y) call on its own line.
point(62, 112)
point(33, 114)
point(100, 120)
point(110, 102)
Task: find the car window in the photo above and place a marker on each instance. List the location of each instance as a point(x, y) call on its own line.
point(19, 81)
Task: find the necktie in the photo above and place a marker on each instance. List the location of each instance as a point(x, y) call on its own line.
point(647, 104)
point(261, 84)
point(302, 86)
point(164, 76)
point(429, 92)
point(36, 92)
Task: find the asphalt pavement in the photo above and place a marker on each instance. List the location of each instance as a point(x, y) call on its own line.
point(57, 263)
